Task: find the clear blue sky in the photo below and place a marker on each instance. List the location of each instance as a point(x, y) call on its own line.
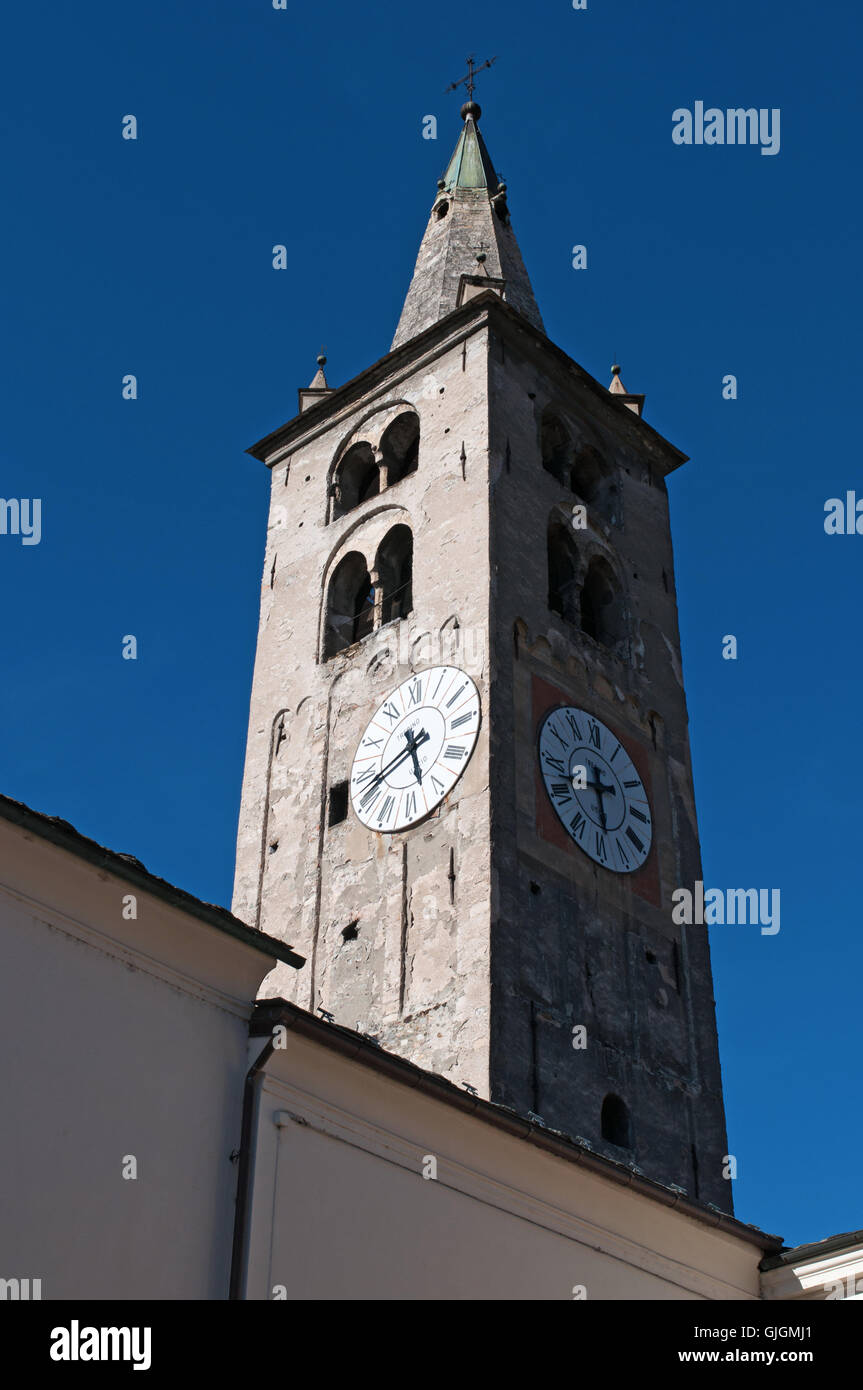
point(304, 127)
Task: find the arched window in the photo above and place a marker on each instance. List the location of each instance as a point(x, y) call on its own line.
point(593, 480)
point(395, 573)
point(357, 478)
point(350, 604)
point(602, 612)
point(562, 570)
point(615, 1122)
point(400, 447)
point(394, 565)
point(555, 446)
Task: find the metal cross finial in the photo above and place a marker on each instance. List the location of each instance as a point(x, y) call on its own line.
point(471, 72)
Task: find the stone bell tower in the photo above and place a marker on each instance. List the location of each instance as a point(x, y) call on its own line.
point(476, 501)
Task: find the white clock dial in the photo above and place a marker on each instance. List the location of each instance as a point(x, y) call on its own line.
point(415, 748)
point(595, 789)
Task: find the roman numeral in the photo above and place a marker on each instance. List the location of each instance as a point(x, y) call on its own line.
point(577, 825)
point(631, 784)
point(614, 754)
point(462, 719)
point(562, 790)
point(383, 813)
point(369, 799)
point(634, 838)
point(622, 852)
point(438, 686)
point(438, 786)
point(453, 699)
point(453, 751)
point(555, 763)
point(570, 719)
point(391, 713)
point(595, 736)
point(415, 692)
point(639, 815)
point(365, 776)
point(372, 742)
point(411, 806)
point(600, 848)
point(561, 741)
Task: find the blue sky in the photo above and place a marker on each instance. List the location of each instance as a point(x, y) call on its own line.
point(303, 127)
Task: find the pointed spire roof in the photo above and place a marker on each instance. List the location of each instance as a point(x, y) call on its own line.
point(470, 166)
point(319, 381)
point(317, 388)
point(469, 244)
point(617, 388)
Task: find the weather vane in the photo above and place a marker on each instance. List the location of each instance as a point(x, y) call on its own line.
point(471, 72)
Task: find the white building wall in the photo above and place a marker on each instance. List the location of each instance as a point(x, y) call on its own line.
point(119, 1037)
point(341, 1209)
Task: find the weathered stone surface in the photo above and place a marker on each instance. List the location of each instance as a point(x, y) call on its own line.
point(573, 943)
point(482, 977)
point(417, 973)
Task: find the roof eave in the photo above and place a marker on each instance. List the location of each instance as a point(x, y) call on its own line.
point(359, 1048)
point(479, 308)
point(65, 836)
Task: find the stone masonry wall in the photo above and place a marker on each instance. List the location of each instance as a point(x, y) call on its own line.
point(574, 943)
point(415, 973)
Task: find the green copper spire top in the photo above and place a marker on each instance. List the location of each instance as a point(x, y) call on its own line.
point(469, 239)
point(470, 166)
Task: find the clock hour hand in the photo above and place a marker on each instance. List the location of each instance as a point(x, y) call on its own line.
point(413, 754)
point(601, 790)
point(399, 759)
point(412, 744)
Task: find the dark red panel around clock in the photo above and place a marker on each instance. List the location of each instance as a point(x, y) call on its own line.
point(545, 697)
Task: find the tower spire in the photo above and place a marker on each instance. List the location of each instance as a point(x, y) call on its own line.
point(470, 215)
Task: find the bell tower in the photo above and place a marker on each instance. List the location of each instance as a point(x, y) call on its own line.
point(468, 794)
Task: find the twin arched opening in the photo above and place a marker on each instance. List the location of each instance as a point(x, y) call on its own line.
point(589, 597)
point(366, 470)
point(360, 600)
point(583, 470)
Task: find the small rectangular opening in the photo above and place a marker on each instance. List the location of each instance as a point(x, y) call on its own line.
point(338, 803)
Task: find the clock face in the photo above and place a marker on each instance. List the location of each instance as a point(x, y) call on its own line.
point(595, 790)
point(415, 748)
